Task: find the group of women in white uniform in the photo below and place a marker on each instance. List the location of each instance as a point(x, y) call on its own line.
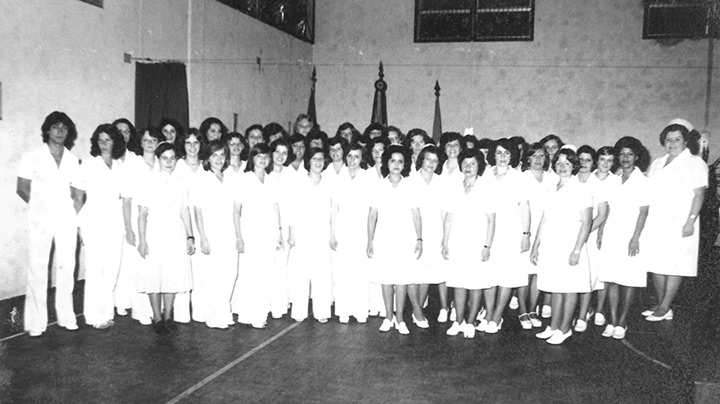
point(208, 224)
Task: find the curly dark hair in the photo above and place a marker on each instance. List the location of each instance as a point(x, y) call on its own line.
point(59, 117)
point(118, 149)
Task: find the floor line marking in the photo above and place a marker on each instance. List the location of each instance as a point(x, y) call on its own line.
point(644, 355)
point(232, 364)
point(9, 337)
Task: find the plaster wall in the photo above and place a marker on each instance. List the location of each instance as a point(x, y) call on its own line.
point(588, 76)
point(67, 55)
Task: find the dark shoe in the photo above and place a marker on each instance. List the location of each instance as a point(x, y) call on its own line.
point(159, 327)
point(171, 326)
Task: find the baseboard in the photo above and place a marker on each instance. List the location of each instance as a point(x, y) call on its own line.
point(13, 309)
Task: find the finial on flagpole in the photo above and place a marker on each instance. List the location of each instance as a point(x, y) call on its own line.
point(437, 88)
point(381, 73)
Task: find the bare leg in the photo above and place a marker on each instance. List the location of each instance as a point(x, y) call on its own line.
point(534, 293)
point(614, 298)
point(627, 298)
point(156, 305)
point(168, 300)
point(413, 292)
point(584, 305)
point(672, 285)
point(489, 295)
point(460, 296)
point(423, 289)
point(659, 286)
point(475, 295)
point(522, 294)
point(502, 301)
point(388, 291)
point(556, 304)
point(568, 311)
point(601, 295)
point(400, 295)
point(443, 291)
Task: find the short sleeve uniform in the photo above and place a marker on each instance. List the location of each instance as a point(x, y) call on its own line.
point(671, 188)
point(563, 221)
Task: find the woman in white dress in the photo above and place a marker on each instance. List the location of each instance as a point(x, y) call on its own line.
point(258, 232)
point(512, 230)
point(469, 224)
point(137, 172)
point(559, 248)
point(432, 191)
point(212, 198)
point(622, 262)
point(393, 221)
point(165, 239)
point(284, 180)
point(297, 165)
point(172, 130)
point(96, 192)
point(310, 241)
point(595, 172)
point(126, 295)
point(373, 156)
point(188, 170)
point(238, 147)
point(350, 263)
point(677, 184)
point(213, 129)
point(540, 183)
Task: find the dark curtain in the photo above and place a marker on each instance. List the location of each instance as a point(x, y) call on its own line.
point(160, 92)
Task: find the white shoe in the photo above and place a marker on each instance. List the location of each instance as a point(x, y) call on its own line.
point(468, 330)
point(482, 325)
point(558, 338)
point(455, 329)
point(600, 319)
point(536, 323)
point(386, 325)
point(344, 319)
point(493, 327)
point(259, 325)
point(514, 303)
point(619, 332)
point(443, 316)
point(609, 330)
point(71, 327)
point(361, 320)
point(453, 314)
point(546, 311)
point(546, 334)
point(121, 311)
point(322, 320)
point(481, 314)
point(103, 326)
point(420, 324)
point(34, 333)
point(145, 321)
point(402, 328)
point(580, 325)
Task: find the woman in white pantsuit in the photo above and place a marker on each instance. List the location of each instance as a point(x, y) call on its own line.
point(96, 191)
point(212, 198)
point(258, 232)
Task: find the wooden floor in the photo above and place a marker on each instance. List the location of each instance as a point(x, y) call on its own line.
point(670, 362)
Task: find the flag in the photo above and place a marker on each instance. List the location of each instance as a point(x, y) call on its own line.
point(311, 102)
point(437, 123)
point(379, 112)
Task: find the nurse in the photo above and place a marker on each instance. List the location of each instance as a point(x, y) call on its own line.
point(677, 184)
point(96, 192)
point(43, 182)
point(559, 249)
point(212, 198)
